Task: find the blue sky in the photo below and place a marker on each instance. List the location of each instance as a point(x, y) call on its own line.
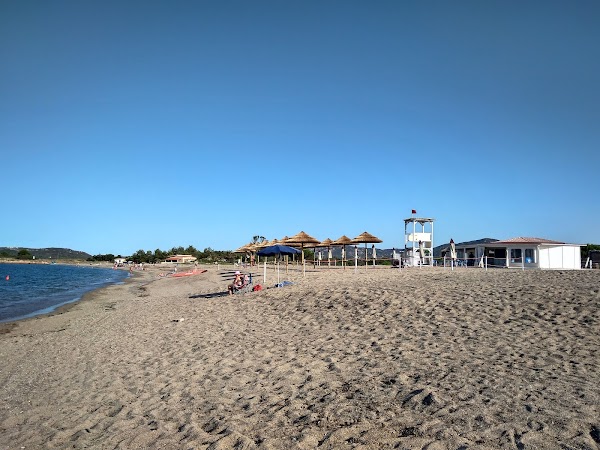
point(144, 125)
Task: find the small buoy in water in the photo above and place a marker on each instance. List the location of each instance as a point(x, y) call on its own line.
point(7, 277)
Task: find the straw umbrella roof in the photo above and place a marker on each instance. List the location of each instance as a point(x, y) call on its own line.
point(366, 238)
point(262, 244)
point(286, 241)
point(251, 247)
point(343, 240)
point(302, 238)
point(326, 243)
point(242, 249)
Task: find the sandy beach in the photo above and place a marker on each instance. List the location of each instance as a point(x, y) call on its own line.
point(380, 358)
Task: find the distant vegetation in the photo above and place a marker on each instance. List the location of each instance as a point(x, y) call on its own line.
point(585, 251)
point(207, 256)
point(54, 254)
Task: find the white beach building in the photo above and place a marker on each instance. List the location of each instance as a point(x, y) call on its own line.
point(522, 252)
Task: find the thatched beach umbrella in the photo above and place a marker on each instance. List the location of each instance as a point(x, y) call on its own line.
point(245, 249)
point(262, 244)
point(257, 247)
point(251, 248)
point(327, 244)
point(241, 249)
point(366, 238)
point(302, 239)
point(343, 241)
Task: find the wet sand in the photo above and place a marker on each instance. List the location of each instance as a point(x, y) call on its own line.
point(379, 358)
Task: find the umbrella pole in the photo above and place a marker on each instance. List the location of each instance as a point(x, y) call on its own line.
point(278, 272)
point(265, 272)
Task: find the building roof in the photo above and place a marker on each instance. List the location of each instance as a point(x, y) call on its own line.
point(181, 257)
point(419, 219)
point(528, 240)
point(476, 242)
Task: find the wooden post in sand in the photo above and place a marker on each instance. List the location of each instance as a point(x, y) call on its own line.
point(265, 272)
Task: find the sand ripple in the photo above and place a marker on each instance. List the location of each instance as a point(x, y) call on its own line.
point(429, 359)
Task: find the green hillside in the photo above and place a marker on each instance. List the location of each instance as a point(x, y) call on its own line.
point(42, 253)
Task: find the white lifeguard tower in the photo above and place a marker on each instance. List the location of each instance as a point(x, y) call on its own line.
point(418, 241)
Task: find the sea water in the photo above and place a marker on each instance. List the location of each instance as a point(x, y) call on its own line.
point(27, 290)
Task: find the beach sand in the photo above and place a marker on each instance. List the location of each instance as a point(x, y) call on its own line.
point(380, 358)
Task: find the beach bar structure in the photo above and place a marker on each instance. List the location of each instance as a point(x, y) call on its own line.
point(521, 252)
point(180, 259)
point(418, 241)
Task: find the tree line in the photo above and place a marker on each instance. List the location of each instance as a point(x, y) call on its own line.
point(207, 256)
point(21, 254)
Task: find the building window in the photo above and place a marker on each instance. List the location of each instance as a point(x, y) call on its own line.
point(515, 255)
point(530, 255)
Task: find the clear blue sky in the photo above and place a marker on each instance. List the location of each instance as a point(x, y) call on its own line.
point(142, 125)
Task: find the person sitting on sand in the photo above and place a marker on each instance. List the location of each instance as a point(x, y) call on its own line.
point(238, 282)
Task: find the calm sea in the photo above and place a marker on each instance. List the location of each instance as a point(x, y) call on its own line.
point(33, 289)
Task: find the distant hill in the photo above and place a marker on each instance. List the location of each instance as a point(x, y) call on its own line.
point(46, 253)
point(336, 252)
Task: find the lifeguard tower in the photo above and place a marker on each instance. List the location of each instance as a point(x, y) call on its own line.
point(418, 241)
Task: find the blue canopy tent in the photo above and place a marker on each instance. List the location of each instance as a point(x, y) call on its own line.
point(276, 250)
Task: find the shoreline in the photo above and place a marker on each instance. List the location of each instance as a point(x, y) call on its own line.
point(374, 358)
point(10, 324)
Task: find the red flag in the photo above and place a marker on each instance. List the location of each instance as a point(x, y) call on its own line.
point(414, 211)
